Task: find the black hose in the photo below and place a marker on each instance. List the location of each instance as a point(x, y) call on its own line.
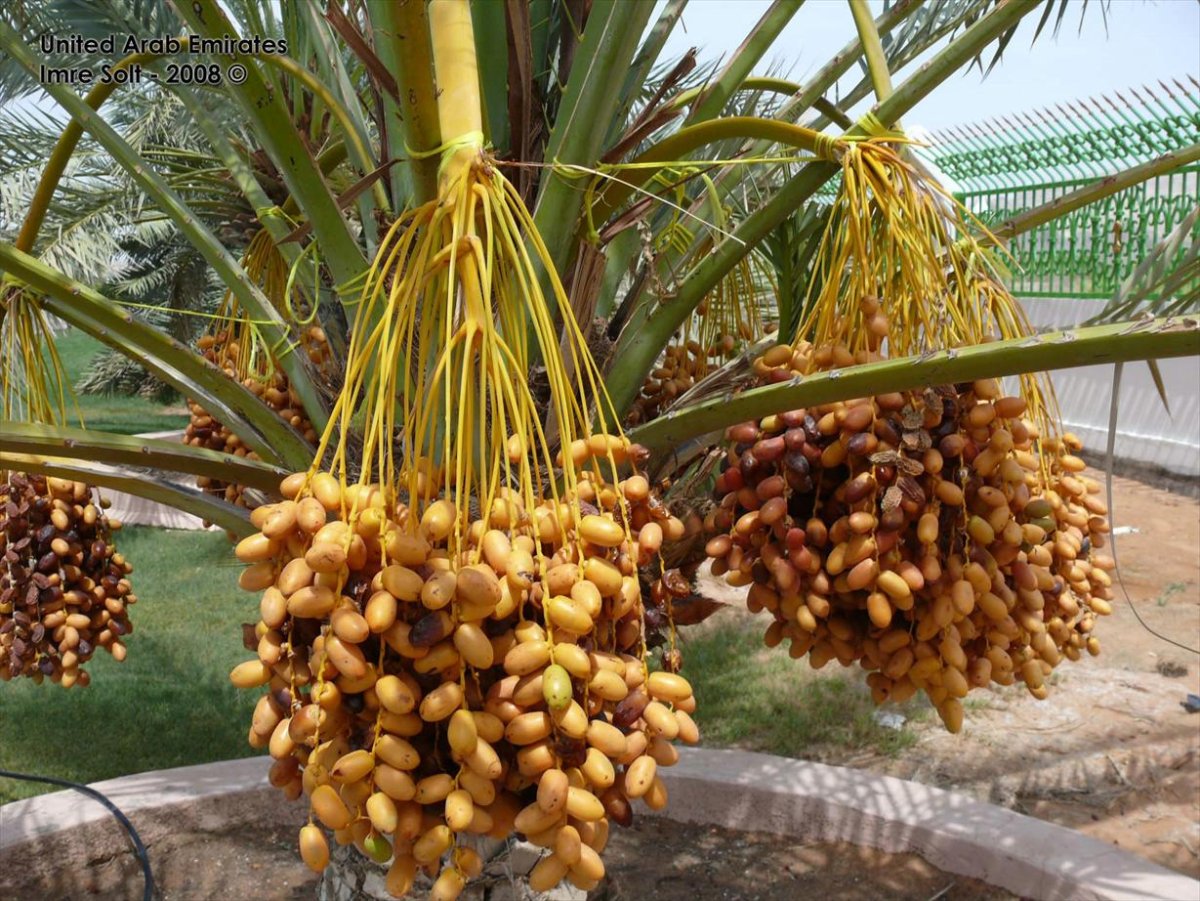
point(138, 848)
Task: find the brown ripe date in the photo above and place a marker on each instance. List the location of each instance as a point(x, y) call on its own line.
point(773, 511)
point(746, 433)
point(899, 498)
point(798, 462)
point(768, 450)
point(771, 486)
point(64, 589)
point(860, 487)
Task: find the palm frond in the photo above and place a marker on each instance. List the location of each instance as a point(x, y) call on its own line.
point(86, 18)
point(32, 21)
point(1166, 283)
point(100, 19)
point(96, 207)
point(1056, 10)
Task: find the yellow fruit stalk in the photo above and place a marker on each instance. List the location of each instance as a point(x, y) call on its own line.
point(233, 343)
point(452, 607)
point(938, 538)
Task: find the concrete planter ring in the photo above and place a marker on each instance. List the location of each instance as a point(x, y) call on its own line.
point(729, 789)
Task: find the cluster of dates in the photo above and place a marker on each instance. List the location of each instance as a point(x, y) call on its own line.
point(203, 430)
point(431, 677)
point(682, 365)
point(64, 587)
point(933, 537)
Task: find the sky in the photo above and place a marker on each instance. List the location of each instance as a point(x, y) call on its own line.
point(1145, 40)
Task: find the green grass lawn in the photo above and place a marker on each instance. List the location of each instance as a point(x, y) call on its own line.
point(170, 703)
point(113, 413)
point(760, 699)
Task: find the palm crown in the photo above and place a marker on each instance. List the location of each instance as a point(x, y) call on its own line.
point(474, 271)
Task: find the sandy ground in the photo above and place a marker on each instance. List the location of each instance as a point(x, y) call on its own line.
point(654, 859)
point(1111, 752)
point(192, 864)
point(669, 861)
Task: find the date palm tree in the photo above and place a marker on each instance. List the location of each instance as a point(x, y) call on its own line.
point(547, 75)
point(659, 193)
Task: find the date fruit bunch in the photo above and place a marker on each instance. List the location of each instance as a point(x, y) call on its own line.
point(682, 365)
point(64, 588)
point(234, 345)
point(723, 320)
point(942, 539)
point(452, 632)
point(225, 351)
point(424, 687)
point(937, 538)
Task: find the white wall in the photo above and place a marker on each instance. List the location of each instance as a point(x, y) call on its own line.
point(1146, 433)
point(138, 511)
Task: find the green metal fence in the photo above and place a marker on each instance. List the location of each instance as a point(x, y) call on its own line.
point(1005, 166)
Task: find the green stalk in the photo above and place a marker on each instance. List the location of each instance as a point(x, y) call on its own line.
point(651, 326)
point(489, 20)
point(717, 93)
point(400, 31)
point(393, 125)
point(832, 113)
point(243, 413)
point(327, 161)
point(1105, 187)
point(133, 450)
point(688, 140)
point(262, 103)
point(868, 35)
point(210, 509)
point(1169, 337)
point(272, 326)
point(539, 38)
point(647, 55)
point(592, 95)
point(754, 83)
point(622, 252)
